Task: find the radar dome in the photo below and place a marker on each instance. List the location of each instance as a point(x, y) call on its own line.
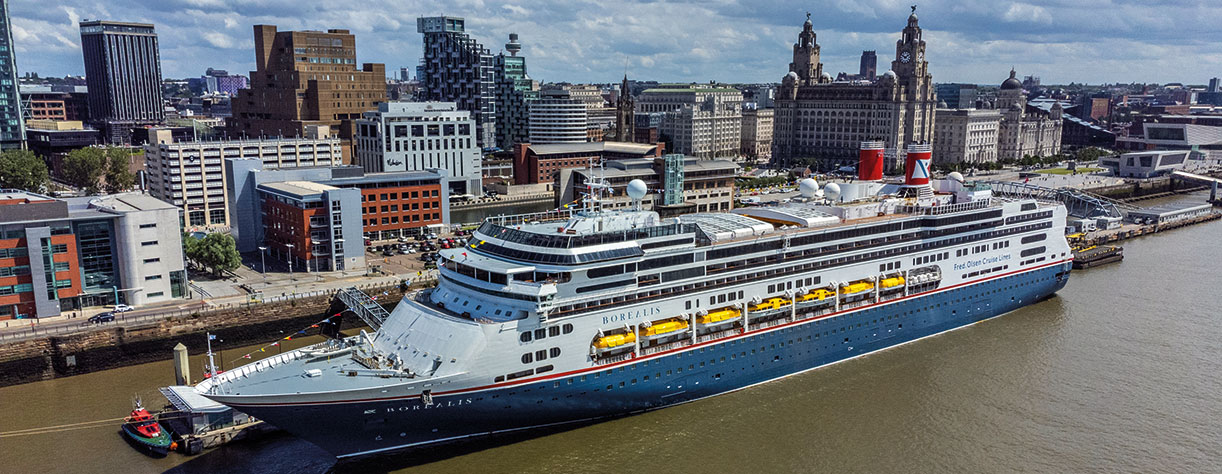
point(637, 189)
point(808, 187)
point(955, 176)
point(831, 191)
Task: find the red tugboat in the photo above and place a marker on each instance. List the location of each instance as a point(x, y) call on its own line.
point(144, 433)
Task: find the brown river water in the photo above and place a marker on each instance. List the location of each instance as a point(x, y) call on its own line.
point(1120, 372)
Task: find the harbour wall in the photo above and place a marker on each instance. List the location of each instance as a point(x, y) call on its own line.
point(73, 354)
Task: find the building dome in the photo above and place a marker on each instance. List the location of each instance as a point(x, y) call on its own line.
point(1011, 83)
point(942, 104)
point(825, 77)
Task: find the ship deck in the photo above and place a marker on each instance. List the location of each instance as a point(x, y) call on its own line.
point(288, 373)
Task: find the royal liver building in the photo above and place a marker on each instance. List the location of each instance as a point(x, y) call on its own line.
point(822, 123)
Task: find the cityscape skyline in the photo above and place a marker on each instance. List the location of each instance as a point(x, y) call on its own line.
point(972, 42)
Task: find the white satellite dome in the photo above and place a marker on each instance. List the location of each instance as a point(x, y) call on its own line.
point(831, 191)
point(808, 187)
point(637, 189)
point(955, 176)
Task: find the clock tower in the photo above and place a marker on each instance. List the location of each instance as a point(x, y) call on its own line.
point(910, 52)
point(806, 56)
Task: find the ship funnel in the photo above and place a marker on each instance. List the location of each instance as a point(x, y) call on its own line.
point(916, 166)
point(870, 161)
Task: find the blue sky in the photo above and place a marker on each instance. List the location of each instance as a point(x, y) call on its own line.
point(700, 40)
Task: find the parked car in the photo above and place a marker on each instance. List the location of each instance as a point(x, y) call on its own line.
point(100, 318)
point(388, 253)
point(122, 308)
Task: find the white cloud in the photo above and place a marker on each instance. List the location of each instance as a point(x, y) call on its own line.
point(1023, 12)
point(726, 40)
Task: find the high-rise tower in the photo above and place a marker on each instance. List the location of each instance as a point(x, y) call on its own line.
point(123, 73)
point(806, 56)
point(514, 92)
point(12, 129)
point(456, 68)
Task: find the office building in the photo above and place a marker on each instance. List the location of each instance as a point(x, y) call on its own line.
point(822, 123)
point(218, 82)
point(757, 134)
point(1146, 164)
point(418, 136)
point(12, 128)
point(123, 73)
point(957, 96)
point(558, 120)
point(390, 205)
point(540, 163)
point(190, 175)
point(306, 79)
point(51, 140)
point(1026, 130)
point(700, 120)
point(707, 185)
point(514, 92)
point(456, 68)
point(869, 65)
point(1213, 85)
point(966, 136)
point(65, 254)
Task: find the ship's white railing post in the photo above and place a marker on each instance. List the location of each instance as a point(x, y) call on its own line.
point(793, 309)
point(692, 325)
point(836, 291)
point(746, 320)
point(906, 282)
point(636, 341)
point(878, 291)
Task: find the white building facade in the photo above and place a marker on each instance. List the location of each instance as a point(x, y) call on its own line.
point(558, 121)
point(757, 134)
point(966, 136)
point(421, 136)
point(190, 175)
point(701, 120)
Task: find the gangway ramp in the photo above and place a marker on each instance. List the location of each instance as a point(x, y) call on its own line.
point(365, 307)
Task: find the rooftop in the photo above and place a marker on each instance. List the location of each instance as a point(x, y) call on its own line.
point(592, 147)
point(299, 189)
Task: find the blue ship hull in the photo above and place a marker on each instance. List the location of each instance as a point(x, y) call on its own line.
point(656, 381)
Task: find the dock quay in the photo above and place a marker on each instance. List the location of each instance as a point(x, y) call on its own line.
point(198, 423)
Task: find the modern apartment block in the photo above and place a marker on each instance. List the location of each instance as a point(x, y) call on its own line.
point(59, 255)
point(123, 73)
point(189, 175)
point(419, 136)
point(304, 79)
point(558, 120)
point(12, 130)
point(701, 120)
point(457, 68)
point(514, 92)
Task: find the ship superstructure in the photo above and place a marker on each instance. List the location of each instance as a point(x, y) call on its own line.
point(572, 316)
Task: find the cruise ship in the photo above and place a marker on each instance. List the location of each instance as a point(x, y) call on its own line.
point(570, 317)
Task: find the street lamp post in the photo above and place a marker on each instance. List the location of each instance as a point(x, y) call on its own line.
point(263, 261)
point(290, 247)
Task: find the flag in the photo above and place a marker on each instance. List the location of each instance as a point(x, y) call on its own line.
point(260, 350)
point(301, 331)
point(212, 337)
point(288, 338)
point(247, 356)
point(276, 343)
point(313, 325)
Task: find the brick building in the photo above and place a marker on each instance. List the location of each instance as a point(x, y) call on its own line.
point(533, 164)
point(305, 78)
point(64, 254)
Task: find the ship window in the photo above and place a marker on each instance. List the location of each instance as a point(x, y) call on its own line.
point(499, 379)
point(568, 328)
point(540, 355)
point(525, 337)
point(554, 352)
point(540, 333)
point(527, 358)
point(553, 331)
point(546, 368)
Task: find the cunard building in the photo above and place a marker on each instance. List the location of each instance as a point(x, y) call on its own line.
point(822, 122)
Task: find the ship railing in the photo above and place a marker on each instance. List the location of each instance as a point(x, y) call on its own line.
point(943, 209)
point(666, 347)
point(216, 383)
point(613, 359)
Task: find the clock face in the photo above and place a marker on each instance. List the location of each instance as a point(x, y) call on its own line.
point(905, 57)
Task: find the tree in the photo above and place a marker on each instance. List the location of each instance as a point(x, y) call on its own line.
point(22, 169)
point(216, 252)
point(119, 176)
point(83, 167)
